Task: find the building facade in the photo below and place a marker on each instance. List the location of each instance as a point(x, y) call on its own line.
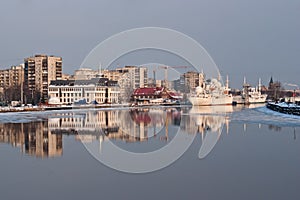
point(96, 90)
point(39, 71)
point(191, 79)
point(86, 74)
point(11, 83)
point(138, 76)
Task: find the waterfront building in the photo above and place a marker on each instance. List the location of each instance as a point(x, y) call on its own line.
point(39, 71)
point(96, 90)
point(154, 95)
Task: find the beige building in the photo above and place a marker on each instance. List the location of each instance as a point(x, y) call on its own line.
point(4, 79)
point(39, 71)
point(11, 81)
point(85, 74)
point(67, 77)
point(191, 79)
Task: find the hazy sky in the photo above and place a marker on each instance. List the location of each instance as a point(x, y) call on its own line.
point(256, 38)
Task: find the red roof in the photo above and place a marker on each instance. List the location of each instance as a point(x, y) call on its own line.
point(148, 91)
point(175, 95)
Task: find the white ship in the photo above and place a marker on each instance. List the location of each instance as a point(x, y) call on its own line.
point(210, 92)
point(250, 95)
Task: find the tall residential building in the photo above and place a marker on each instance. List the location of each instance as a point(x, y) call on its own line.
point(11, 81)
point(191, 79)
point(138, 76)
point(16, 75)
point(4, 79)
point(39, 70)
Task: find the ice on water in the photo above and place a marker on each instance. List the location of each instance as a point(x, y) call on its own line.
point(264, 115)
point(260, 115)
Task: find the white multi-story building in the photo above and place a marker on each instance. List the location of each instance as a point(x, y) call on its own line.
point(100, 90)
point(138, 76)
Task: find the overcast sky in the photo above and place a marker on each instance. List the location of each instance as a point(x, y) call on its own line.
point(256, 38)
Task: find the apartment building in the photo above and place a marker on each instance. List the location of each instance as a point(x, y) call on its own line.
point(39, 71)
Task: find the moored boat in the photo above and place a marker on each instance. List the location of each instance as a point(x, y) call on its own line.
point(250, 95)
point(210, 92)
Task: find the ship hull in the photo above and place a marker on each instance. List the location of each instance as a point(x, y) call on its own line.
point(261, 99)
point(211, 101)
point(250, 100)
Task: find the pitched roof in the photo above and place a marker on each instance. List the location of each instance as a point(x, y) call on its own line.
point(148, 91)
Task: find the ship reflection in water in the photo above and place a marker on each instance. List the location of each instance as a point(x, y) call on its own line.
point(155, 125)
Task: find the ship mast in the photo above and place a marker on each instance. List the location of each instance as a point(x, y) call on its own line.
point(227, 82)
point(259, 85)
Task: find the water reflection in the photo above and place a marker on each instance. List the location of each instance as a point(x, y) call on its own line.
point(45, 138)
point(32, 138)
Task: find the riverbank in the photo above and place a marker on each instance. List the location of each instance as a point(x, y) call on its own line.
point(11, 109)
point(57, 107)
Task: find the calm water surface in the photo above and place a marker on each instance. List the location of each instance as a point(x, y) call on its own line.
point(256, 154)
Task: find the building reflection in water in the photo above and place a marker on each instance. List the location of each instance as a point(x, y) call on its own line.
point(32, 138)
point(45, 138)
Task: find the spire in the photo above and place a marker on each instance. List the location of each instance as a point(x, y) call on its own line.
point(271, 80)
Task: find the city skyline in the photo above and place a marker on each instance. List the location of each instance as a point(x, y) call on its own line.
point(242, 38)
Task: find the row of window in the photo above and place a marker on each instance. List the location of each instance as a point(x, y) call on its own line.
point(99, 100)
point(78, 89)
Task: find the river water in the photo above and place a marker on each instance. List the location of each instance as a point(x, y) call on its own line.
point(235, 153)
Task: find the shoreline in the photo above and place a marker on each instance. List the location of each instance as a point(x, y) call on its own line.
point(82, 107)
